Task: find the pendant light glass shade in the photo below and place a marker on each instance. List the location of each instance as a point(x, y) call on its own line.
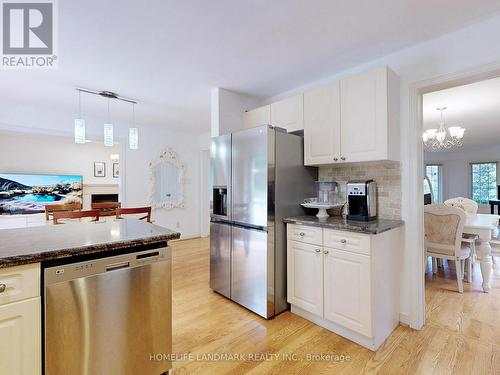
point(79, 122)
point(79, 130)
point(133, 138)
point(108, 132)
point(133, 133)
point(108, 135)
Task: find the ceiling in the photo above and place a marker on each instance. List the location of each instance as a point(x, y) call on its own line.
point(168, 54)
point(475, 107)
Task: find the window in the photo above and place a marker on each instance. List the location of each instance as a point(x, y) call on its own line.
point(484, 182)
point(433, 171)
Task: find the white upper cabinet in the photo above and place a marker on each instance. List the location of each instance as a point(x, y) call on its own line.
point(257, 117)
point(322, 125)
point(353, 120)
point(289, 113)
point(369, 114)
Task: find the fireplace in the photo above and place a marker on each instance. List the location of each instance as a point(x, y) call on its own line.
point(105, 203)
point(104, 198)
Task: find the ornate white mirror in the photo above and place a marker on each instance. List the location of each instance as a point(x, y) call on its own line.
point(167, 181)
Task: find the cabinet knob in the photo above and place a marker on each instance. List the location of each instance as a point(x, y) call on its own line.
point(318, 250)
point(302, 234)
point(335, 159)
point(325, 252)
point(2, 288)
point(343, 240)
point(342, 157)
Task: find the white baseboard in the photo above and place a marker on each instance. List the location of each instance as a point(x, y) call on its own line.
point(404, 319)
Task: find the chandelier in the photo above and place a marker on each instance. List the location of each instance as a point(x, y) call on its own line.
point(440, 139)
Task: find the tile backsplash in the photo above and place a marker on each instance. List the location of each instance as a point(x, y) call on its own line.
point(387, 174)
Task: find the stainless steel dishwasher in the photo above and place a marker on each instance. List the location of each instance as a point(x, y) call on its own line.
point(109, 315)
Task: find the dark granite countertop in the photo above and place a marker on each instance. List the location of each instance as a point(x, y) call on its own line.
point(36, 244)
point(336, 222)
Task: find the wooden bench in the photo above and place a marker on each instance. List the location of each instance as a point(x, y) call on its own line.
point(51, 208)
point(107, 209)
point(135, 210)
point(58, 215)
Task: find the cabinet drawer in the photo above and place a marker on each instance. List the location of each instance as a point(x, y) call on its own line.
point(304, 233)
point(20, 282)
point(357, 243)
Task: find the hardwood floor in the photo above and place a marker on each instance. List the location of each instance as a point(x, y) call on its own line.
point(462, 335)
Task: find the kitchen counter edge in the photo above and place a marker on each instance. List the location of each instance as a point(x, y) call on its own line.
point(338, 223)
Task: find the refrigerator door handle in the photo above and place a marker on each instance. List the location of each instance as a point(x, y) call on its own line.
point(249, 226)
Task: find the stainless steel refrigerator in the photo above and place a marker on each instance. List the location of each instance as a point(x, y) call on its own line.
point(257, 178)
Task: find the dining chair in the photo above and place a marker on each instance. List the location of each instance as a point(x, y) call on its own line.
point(135, 210)
point(51, 208)
point(58, 215)
point(468, 205)
point(444, 227)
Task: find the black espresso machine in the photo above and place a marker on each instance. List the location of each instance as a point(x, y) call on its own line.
point(362, 200)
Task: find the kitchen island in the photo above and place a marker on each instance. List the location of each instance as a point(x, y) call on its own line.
point(81, 278)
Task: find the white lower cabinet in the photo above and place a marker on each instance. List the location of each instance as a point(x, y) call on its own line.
point(349, 284)
point(305, 288)
point(347, 290)
point(20, 322)
point(20, 337)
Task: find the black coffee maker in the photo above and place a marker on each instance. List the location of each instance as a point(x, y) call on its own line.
point(362, 200)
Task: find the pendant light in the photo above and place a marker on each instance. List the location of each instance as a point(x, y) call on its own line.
point(108, 131)
point(133, 133)
point(108, 126)
point(79, 122)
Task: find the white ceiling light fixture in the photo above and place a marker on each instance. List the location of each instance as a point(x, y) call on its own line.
point(443, 138)
point(108, 126)
point(79, 122)
point(133, 133)
point(108, 131)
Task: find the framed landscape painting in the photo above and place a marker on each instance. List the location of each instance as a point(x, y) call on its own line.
point(29, 193)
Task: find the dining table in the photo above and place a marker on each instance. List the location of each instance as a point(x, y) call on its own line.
point(485, 226)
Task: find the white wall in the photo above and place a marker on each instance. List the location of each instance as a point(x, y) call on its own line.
point(227, 109)
point(136, 176)
point(42, 154)
point(456, 172)
point(454, 52)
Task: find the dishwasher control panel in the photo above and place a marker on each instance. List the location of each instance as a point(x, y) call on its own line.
point(71, 271)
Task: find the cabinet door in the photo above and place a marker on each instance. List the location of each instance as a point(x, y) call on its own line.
point(322, 125)
point(20, 339)
point(364, 116)
point(348, 290)
point(305, 276)
point(289, 113)
point(257, 117)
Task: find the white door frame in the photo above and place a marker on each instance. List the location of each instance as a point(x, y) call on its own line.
point(204, 194)
point(415, 165)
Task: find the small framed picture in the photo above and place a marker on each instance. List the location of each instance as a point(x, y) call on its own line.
point(99, 169)
point(116, 170)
